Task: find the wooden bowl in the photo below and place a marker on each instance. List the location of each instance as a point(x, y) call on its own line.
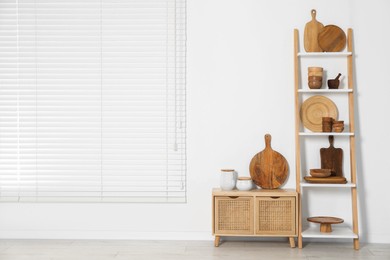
point(315, 73)
point(314, 78)
point(315, 69)
point(333, 83)
point(320, 173)
point(338, 129)
point(315, 84)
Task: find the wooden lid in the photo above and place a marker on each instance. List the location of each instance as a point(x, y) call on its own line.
point(244, 178)
point(314, 109)
point(227, 170)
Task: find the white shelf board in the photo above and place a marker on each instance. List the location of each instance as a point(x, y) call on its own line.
point(325, 90)
point(338, 232)
point(324, 54)
point(328, 185)
point(325, 134)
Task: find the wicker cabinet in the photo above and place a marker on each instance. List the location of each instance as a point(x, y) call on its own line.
point(255, 213)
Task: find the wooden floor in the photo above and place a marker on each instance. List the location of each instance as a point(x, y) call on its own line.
point(183, 250)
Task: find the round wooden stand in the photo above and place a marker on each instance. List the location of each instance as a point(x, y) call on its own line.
point(326, 222)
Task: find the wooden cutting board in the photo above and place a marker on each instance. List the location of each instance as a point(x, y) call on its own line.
point(268, 168)
point(331, 179)
point(332, 158)
point(312, 29)
point(332, 39)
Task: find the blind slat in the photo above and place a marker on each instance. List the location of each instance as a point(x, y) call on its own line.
point(92, 100)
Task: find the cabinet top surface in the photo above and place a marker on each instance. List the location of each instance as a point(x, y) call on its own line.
point(255, 192)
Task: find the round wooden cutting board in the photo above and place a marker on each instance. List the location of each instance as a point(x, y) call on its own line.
point(314, 108)
point(332, 38)
point(268, 168)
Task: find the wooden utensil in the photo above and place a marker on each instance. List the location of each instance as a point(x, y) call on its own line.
point(268, 168)
point(312, 29)
point(332, 158)
point(332, 38)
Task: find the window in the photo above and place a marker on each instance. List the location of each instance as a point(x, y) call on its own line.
point(92, 100)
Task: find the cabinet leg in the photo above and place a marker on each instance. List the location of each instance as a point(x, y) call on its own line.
point(216, 241)
point(300, 242)
point(292, 242)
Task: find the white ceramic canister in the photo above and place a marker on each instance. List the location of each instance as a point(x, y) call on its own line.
point(244, 183)
point(228, 179)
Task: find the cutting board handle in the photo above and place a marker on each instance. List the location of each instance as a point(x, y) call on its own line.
point(267, 138)
point(331, 140)
point(313, 14)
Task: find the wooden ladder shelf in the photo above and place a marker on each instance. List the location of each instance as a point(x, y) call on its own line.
point(301, 136)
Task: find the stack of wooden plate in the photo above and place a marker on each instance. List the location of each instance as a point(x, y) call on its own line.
point(327, 123)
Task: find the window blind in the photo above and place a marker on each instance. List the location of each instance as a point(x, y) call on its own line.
point(92, 100)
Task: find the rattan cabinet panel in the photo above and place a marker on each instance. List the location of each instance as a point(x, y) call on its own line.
point(275, 215)
point(234, 215)
point(255, 213)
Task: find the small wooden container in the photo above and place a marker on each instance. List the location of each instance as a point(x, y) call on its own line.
point(327, 123)
point(333, 83)
point(315, 84)
point(320, 173)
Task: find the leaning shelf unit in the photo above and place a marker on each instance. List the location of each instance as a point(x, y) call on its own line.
point(302, 136)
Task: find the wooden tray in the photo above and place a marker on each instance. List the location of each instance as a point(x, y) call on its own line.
point(331, 179)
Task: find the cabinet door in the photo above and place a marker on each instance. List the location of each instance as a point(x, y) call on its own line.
point(275, 216)
point(233, 215)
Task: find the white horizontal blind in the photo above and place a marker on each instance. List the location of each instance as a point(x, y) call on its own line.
point(92, 100)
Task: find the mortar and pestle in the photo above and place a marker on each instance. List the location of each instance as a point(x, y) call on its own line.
point(334, 83)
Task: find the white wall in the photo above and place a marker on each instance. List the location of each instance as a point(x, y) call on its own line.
point(240, 86)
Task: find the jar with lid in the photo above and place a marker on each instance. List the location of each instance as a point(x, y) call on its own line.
point(244, 183)
point(228, 179)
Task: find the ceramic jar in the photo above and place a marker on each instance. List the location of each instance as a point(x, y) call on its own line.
point(244, 183)
point(228, 179)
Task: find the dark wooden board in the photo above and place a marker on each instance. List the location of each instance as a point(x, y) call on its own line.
point(332, 158)
point(268, 168)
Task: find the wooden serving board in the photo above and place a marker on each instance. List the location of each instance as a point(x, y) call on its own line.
point(312, 29)
point(268, 168)
point(332, 158)
point(328, 180)
point(332, 39)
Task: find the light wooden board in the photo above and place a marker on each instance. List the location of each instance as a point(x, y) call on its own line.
point(312, 29)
